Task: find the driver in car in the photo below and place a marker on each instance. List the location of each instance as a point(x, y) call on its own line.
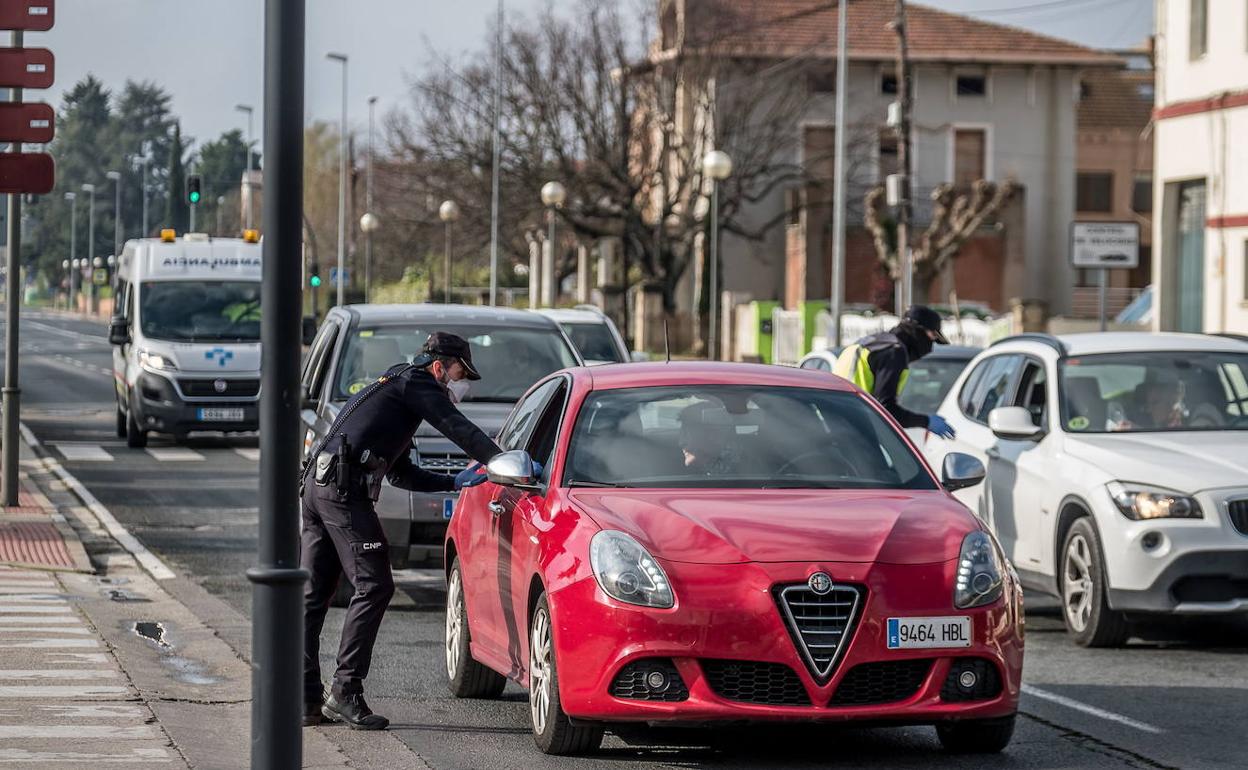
point(706, 447)
point(1157, 403)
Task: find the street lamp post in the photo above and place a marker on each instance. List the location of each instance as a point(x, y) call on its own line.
point(448, 212)
point(553, 196)
point(341, 58)
point(115, 176)
point(68, 278)
point(90, 189)
point(147, 151)
point(220, 206)
point(250, 112)
point(718, 167)
point(369, 224)
point(73, 245)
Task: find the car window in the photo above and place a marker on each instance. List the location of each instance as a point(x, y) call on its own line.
point(740, 437)
point(515, 433)
point(816, 363)
point(966, 395)
point(317, 364)
point(541, 442)
point(1032, 387)
point(594, 341)
point(929, 382)
point(985, 392)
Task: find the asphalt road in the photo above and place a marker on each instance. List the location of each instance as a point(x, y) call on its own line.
point(1176, 697)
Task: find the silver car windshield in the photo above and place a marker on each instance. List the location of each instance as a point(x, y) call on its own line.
point(1155, 391)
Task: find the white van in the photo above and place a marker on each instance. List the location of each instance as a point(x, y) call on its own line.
point(186, 336)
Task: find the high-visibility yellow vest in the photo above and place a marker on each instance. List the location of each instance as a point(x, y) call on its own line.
point(852, 364)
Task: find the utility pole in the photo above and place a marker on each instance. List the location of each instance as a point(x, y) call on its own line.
point(12, 393)
point(368, 206)
point(277, 580)
point(904, 207)
point(494, 183)
point(147, 151)
point(838, 188)
point(342, 182)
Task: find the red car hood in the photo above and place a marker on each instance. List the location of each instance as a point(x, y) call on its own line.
point(733, 526)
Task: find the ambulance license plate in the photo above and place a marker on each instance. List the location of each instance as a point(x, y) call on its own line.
point(220, 415)
point(918, 633)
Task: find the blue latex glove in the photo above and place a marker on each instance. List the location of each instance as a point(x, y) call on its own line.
point(936, 424)
point(470, 477)
point(537, 469)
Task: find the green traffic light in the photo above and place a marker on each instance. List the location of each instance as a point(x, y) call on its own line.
point(194, 197)
point(315, 281)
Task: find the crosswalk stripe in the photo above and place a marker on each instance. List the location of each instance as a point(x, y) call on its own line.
point(58, 673)
point(28, 590)
point(249, 454)
point(27, 597)
point(77, 657)
point(137, 732)
point(95, 710)
point(57, 608)
point(60, 691)
point(49, 620)
point(44, 630)
point(175, 454)
point(82, 758)
point(83, 453)
point(50, 643)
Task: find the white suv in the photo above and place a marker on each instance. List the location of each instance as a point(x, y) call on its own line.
point(1117, 470)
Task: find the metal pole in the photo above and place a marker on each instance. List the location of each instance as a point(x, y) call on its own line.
point(342, 191)
point(220, 205)
point(73, 247)
point(903, 157)
point(247, 172)
point(117, 217)
point(145, 162)
point(277, 593)
point(712, 326)
point(550, 293)
point(446, 277)
point(91, 246)
point(12, 394)
point(1101, 295)
point(838, 191)
point(368, 205)
point(494, 183)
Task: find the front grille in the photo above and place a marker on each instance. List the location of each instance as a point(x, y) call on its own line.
point(1209, 588)
point(444, 463)
point(631, 682)
point(1238, 509)
point(821, 624)
point(206, 387)
point(987, 681)
point(771, 684)
point(885, 682)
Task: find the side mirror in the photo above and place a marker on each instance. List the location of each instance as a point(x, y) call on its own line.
point(512, 469)
point(961, 471)
point(1013, 423)
point(309, 329)
point(305, 398)
point(118, 331)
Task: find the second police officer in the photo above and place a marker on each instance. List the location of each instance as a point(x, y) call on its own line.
point(342, 536)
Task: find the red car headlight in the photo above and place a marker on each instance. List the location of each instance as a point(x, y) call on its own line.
point(979, 572)
point(626, 571)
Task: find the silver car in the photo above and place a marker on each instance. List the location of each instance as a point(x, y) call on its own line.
point(356, 343)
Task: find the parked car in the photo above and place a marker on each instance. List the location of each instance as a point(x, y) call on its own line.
point(1116, 471)
point(592, 333)
point(712, 542)
point(357, 343)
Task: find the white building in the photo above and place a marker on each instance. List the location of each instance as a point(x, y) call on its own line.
point(1200, 224)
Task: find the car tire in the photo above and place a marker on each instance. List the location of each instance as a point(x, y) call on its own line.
point(123, 427)
point(553, 731)
point(1084, 590)
point(136, 437)
point(465, 676)
point(976, 736)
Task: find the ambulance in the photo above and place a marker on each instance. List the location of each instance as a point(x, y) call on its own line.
point(186, 336)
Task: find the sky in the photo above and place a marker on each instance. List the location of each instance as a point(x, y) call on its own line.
point(207, 53)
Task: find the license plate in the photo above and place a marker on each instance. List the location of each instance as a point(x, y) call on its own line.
point(221, 415)
point(918, 633)
point(448, 507)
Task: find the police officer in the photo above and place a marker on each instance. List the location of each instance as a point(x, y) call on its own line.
point(342, 535)
point(880, 365)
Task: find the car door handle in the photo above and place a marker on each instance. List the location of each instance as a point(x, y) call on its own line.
point(496, 508)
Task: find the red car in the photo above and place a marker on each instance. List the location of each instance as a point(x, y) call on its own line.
point(730, 542)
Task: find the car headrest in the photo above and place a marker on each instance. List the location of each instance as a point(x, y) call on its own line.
point(378, 354)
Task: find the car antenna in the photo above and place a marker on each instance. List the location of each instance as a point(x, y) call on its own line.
point(667, 348)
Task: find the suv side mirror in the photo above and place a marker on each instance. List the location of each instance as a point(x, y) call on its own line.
point(961, 471)
point(309, 329)
point(512, 469)
point(118, 331)
point(1013, 423)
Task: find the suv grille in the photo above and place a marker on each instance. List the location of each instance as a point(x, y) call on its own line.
point(444, 463)
point(198, 388)
point(1238, 509)
point(772, 684)
point(821, 625)
point(632, 682)
point(884, 682)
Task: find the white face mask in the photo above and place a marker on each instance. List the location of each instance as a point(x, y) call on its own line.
point(458, 390)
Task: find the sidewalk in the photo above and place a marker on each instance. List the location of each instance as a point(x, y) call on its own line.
point(102, 665)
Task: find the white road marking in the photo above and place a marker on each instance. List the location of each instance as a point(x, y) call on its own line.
point(58, 673)
point(83, 710)
point(176, 454)
point(78, 657)
point(82, 758)
point(26, 584)
point(45, 630)
point(140, 732)
point(60, 691)
point(45, 619)
point(35, 599)
point(83, 452)
point(79, 336)
point(29, 589)
point(50, 643)
point(1084, 708)
point(249, 454)
point(51, 609)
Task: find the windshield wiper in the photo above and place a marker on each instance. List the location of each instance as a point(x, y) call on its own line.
point(598, 484)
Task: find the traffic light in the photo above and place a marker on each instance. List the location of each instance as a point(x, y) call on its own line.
point(193, 189)
point(314, 280)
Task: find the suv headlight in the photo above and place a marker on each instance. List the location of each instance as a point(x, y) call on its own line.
point(979, 572)
point(1142, 501)
point(627, 572)
point(156, 361)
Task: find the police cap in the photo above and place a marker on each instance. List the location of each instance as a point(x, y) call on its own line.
point(447, 345)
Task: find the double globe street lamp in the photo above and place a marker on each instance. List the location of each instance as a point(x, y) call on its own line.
point(368, 224)
point(553, 197)
point(717, 166)
point(448, 212)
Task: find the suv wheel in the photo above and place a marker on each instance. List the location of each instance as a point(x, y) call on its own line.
point(1085, 604)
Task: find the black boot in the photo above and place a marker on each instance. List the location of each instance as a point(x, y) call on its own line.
point(354, 711)
point(312, 709)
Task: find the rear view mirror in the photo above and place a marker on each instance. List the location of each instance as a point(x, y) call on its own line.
point(1013, 423)
point(309, 329)
point(118, 331)
point(512, 469)
point(961, 471)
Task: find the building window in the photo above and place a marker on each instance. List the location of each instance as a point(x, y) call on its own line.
point(1198, 35)
point(972, 85)
point(1094, 192)
point(889, 163)
point(888, 83)
point(821, 80)
point(970, 147)
point(1142, 194)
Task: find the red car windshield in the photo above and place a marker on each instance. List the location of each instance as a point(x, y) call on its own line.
point(738, 437)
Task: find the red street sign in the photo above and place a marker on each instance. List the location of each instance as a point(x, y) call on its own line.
point(26, 172)
point(28, 15)
point(21, 122)
point(26, 68)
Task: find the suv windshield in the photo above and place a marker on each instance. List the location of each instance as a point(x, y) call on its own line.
point(594, 341)
point(509, 360)
point(1155, 391)
point(200, 311)
point(738, 436)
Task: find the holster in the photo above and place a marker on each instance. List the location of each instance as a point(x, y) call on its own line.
point(326, 470)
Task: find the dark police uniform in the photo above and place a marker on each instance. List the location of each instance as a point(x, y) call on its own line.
point(341, 532)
